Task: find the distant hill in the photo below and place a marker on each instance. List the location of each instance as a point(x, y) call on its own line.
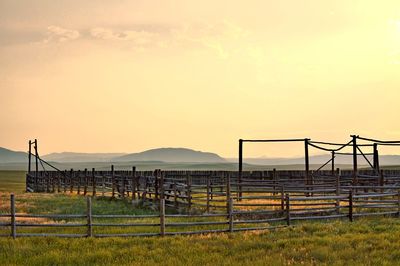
point(9, 156)
point(68, 157)
point(171, 155)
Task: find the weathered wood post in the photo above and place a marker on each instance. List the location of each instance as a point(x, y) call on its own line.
point(123, 185)
point(162, 217)
point(240, 169)
point(71, 180)
point(36, 166)
point(162, 192)
point(29, 156)
point(175, 195)
point(156, 188)
point(274, 179)
point(189, 190)
point(133, 187)
point(89, 216)
point(13, 217)
point(86, 182)
point(287, 209)
point(79, 182)
point(333, 163)
point(376, 158)
point(351, 205)
point(112, 182)
point(355, 166)
point(103, 185)
point(230, 214)
point(307, 163)
point(228, 190)
point(94, 182)
point(337, 175)
point(65, 181)
point(398, 203)
point(208, 195)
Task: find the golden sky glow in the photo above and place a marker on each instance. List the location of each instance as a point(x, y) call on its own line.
point(125, 76)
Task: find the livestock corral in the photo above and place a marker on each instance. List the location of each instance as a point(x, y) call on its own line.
point(198, 202)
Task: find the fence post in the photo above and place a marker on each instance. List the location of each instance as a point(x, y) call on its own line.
point(13, 217)
point(86, 182)
point(79, 182)
point(162, 217)
point(189, 191)
point(65, 181)
point(123, 184)
point(89, 216)
point(162, 192)
point(398, 203)
point(274, 180)
point(175, 195)
point(133, 187)
point(103, 185)
point(208, 194)
point(71, 181)
point(112, 181)
point(337, 175)
point(287, 209)
point(228, 190)
point(94, 182)
point(351, 205)
point(282, 197)
point(230, 214)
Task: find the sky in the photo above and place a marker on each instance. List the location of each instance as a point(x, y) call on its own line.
point(126, 76)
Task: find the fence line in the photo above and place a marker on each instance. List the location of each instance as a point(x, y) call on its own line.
point(296, 208)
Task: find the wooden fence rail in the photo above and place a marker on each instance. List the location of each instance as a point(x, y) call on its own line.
point(294, 207)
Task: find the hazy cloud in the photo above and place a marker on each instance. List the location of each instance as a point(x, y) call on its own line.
point(59, 34)
point(139, 37)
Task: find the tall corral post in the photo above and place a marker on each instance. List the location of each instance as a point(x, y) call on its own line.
point(376, 158)
point(36, 166)
point(240, 168)
point(333, 163)
point(112, 181)
point(29, 156)
point(351, 205)
point(133, 186)
point(287, 209)
point(94, 182)
point(162, 217)
point(89, 216)
point(13, 217)
point(355, 167)
point(307, 163)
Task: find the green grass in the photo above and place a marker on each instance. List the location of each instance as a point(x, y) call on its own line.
point(364, 242)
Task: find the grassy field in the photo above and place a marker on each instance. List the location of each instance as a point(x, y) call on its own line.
point(364, 242)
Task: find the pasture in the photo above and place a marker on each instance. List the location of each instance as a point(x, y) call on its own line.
point(367, 241)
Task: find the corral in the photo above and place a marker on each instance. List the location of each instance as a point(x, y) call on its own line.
point(216, 201)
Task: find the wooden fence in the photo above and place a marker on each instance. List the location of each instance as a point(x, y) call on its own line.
point(212, 201)
point(294, 209)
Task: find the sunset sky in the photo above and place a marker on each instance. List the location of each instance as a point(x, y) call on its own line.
point(126, 76)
